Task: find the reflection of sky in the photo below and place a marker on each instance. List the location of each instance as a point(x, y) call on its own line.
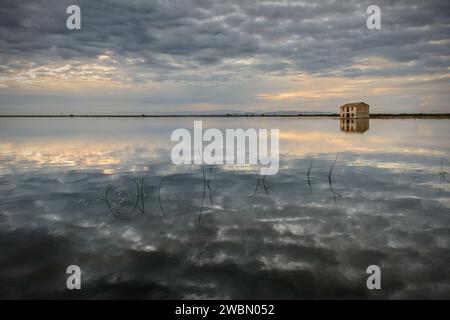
point(386, 206)
point(89, 142)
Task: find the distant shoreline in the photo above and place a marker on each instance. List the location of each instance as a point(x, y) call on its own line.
point(300, 115)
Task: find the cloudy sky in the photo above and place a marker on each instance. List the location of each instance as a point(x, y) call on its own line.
point(207, 55)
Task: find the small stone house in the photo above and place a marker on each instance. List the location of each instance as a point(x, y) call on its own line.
point(358, 110)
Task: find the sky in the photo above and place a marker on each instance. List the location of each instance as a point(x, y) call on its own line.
point(175, 56)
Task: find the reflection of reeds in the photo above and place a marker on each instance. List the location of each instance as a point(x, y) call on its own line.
point(141, 193)
point(257, 184)
point(116, 208)
point(265, 185)
point(330, 180)
point(127, 206)
point(159, 196)
point(442, 174)
point(308, 176)
point(260, 180)
point(206, 184)
point(332, 167)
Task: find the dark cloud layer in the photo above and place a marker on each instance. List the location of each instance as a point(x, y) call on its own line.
point(193, 39)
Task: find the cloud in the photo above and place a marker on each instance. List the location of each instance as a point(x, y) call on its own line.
point(193, 42)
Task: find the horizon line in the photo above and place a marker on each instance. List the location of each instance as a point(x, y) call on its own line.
point(225, 115)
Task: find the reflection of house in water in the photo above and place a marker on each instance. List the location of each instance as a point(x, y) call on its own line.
point(354, 125)
point(355, 117)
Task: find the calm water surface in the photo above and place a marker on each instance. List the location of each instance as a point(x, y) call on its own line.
point(104, 195)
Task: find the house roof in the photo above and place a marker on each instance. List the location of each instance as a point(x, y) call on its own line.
point(354, 104)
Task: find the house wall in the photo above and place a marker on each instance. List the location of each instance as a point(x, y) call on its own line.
point(362, 112)
point(355, 112)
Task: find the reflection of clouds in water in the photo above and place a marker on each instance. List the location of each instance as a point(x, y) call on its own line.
point(294, 242)
point(291, 242)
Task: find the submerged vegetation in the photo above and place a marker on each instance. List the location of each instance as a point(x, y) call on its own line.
point(128, 202)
